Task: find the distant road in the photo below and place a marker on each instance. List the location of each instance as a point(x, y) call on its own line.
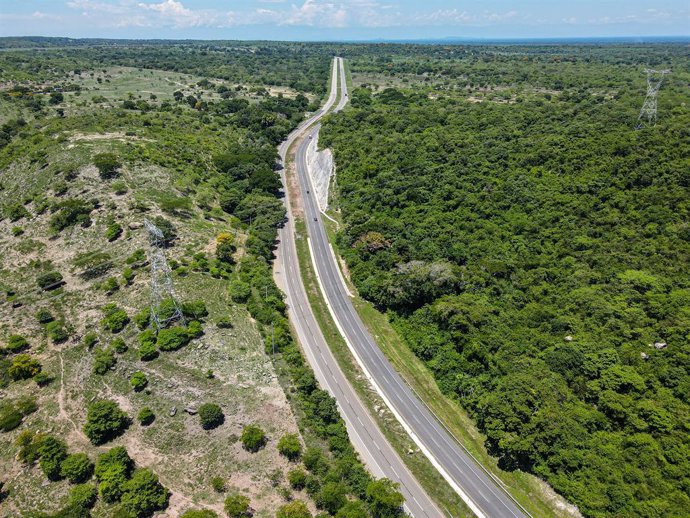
point(369, 441)
point(479, 490)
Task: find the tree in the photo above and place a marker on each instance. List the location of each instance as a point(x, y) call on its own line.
point(76, 468)
point(385, 501)
point(218, 484)
point(143, 494)
point(105, 421)
point(198, 513)
point(103, 361)
point(16, 344)
point(52, 452)
point(148, 350)
point(237, 506)
point(253, 438)
point(333, 496)
point(353, 509)
point(210, 416)
point(23, 367)
point(225, 247)
point(167, 229)
point(10, 417)
point(113, 469)
point(290, 446)
point(115, 319)
point(294, 509)
point(56, 331)
point(55, 98)
point(107, 165)
point(138, 381)
point(49, 280)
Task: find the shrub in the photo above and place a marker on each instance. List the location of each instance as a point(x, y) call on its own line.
point(294, 509)
point(218, 484)
point(44, 316)
point(28, 443)
point(52, 452)
point(138, 256)
point(10, 417)
point(194, 329)
point(225, 323)
point(103, 361)
point(23, 367)
point(253, 438)
point(71, 212)
point(113, 232)
point(16, 211)
point(290, 446)
point(119, 345)
point(17, 231)
point(147, 345)
point(16, 344)
point(384, 498)
point(56, 331)
point(199, 513)
point(172, 338)
point(110, 285)
point(146, 416)
point(42, 379)
point(297, 478)
point(138, 381)
point(76, 468)
point(26, 405)
point(83, 496)
point(332, 497)
point(107, 165)
point(195, 310)
point(143, 494)
point(104, 421)
point(128, 275)
point(49, 280)
point(237, 506)
point(113, 468)
point(210, 416)
point(143, 318)
point(240, 291)
point(89, 340)
point(119, 187)
point(115, 318)
point(167, 228)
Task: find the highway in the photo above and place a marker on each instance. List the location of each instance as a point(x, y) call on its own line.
point(479, 490)
point(372, 446)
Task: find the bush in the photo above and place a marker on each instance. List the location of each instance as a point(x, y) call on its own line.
point(83, 496)
point(56, 331)
point(237, 506)
point(143, 318)
point(294, 509)
point(195, 310)
point(103, 361)
point(143, 494)
point(147, 345)
point(119, 187)
point(172, 339)
point(17, 231)
point(210, 416)
point(42, 379)
point(253, 438)
point(49, 280)
point(240, 291)
point(113, 232)
point(138, 256)
point(119, 345)
point(218, 484)
point(297, 478)
point(146, 416)
point(115, 318)
point(194, 329)
point(105, 421)
point(16, 211)
point(51, 453)
point(107, 165)
point(138, 381)
point(110, 285)
point(23, 367)
point(225, 323)
point(10, 417)
point(167, 228)
point(16, 344)
point(199, 513)
point(28, 443)
point(89, 340)
point(113, 469)
point(26, 405)
point(76, 468)
point(44, 316)
point(128, 275)
point(71, 212)
point(289, 446)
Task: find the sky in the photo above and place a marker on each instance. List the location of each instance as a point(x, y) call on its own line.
point(344, 19)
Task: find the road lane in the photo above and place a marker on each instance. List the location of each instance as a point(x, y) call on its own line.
point(369, 441)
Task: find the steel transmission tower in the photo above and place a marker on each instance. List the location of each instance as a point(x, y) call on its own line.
point(161, 280)
point(648, 111)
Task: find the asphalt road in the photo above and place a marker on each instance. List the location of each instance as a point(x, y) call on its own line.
point(372, 446)
point(479, 490)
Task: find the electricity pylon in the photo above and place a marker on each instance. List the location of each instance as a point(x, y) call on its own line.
point(161, 280)
point(648, 112)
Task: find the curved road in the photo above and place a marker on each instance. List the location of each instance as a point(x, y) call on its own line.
point(381, 459)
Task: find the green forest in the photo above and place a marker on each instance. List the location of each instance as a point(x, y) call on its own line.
point(531, 247)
